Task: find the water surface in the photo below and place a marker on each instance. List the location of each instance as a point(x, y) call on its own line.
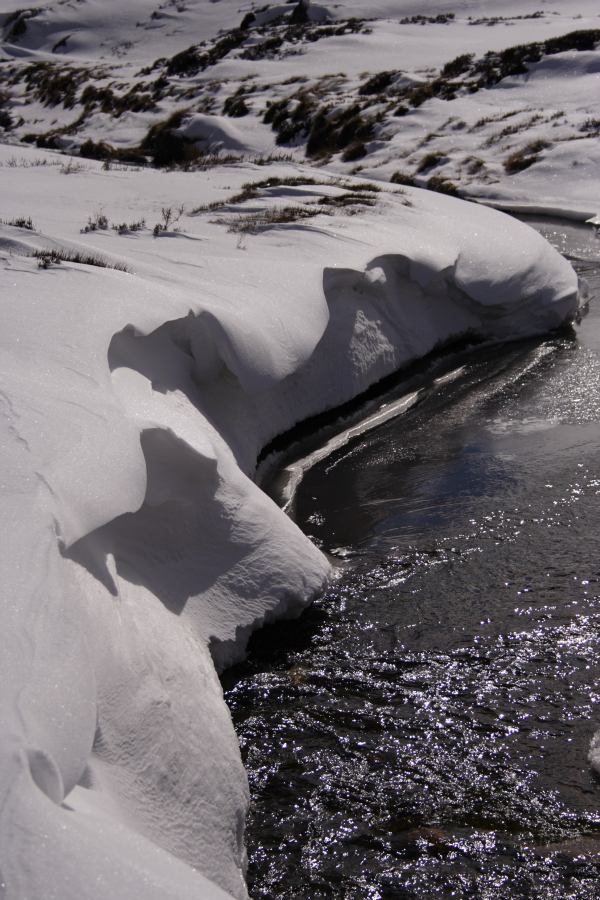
point(422, 731)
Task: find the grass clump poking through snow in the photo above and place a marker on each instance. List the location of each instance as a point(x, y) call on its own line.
point(430, 160)
point(402, 178)
point(166, 146)
point(282, 215)
point(442, 185)
point(47, 258)
point(354, 193)
point(527, 156)
point(19, 222)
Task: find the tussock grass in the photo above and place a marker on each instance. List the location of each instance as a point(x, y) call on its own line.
point(50, 257)
point(282, 215)
point(527, 156)
point(251, 190)
point(19, 222)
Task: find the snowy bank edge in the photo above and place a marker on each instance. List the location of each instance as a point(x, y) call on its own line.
point(445, 293)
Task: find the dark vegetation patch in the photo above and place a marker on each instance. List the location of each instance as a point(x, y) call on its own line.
point(315, 115)
point(53, 139)
point(261, 221)
point(235, 106)
point(194, 59)
point(527, 156)
point(326, 129)
point(442, 185)
point(466, 73)
point(165, 146)
point(356, 150)
point(19, 222)
point(6, 120)
point(494, 20)
point(440, 19)
point(15, 24)
point(251, 190)
point(99, 222)
point(348, 199)
point(495, 66)
point(457, 66)
point(136, 99)
point(53, 84)
point(402, 178)
point(278, 37)
point(591, 125)
point(430, 160)
point(334, 130)
point(377, 84)
point(53, 257)
point(508, 130)
point(351, 198)
point(282, 39)
point(474, 165)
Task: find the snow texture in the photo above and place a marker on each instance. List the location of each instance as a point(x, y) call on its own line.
point(139, 554)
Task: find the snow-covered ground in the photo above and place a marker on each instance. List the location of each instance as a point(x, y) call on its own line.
point(249, 293)
point(492, 99)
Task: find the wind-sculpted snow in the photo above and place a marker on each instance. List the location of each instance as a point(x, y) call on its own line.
point(138, 553)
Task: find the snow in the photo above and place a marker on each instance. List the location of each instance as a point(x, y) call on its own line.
point(139, 551)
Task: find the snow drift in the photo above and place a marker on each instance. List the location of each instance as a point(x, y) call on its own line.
point(139, 552)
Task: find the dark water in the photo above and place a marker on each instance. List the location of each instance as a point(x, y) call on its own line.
point(422, 731)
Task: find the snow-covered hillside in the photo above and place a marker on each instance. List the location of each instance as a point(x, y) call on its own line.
point(467, 99)
point(161, 324)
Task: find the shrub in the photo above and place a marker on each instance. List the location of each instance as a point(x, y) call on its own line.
point(165, 146)
point(377, 83)
point(98, 223)
point(20, 222)
point(356, 150)
point(442, 185)
point(170, 218)
point(52, 84)
point(96, 150)
point(135, 100)
point(187, 62)
point(248, 20)
point(430, 160)
point(284, 215)
point(129, 228)
point(236, 107)
point(457, 66)
point(527, 156)
point(590, 125)
point(15, 24)
point(402, 178)
point(332, 131)
point(585, 39)
point(439, 19)
point(299, 14)
point(47, 258)
point(474, 165)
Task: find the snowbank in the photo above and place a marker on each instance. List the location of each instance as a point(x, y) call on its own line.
point(134, 405)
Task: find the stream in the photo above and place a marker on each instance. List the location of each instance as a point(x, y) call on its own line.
point(422, 730)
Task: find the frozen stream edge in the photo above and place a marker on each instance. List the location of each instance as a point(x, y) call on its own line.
point(118, 746)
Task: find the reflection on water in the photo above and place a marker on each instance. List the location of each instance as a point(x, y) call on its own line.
point(422, 731)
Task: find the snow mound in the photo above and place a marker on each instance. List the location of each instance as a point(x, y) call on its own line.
point(140, 553)
point(217, 133)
